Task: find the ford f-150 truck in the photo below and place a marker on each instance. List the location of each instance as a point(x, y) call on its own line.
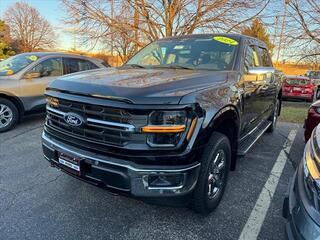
point(167, 126)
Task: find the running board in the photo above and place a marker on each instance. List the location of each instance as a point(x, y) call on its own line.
point(246, 143)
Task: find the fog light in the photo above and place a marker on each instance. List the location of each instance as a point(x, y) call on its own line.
point(166, 181)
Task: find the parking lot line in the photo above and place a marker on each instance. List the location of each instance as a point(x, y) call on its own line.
point(254, 223)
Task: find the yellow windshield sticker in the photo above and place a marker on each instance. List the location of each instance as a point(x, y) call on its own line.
point(4, 68)
point(226, 40)
point(33, 58)
point(177, 47)
point(9, 72)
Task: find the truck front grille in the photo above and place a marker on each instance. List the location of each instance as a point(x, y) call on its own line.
point(102, 125)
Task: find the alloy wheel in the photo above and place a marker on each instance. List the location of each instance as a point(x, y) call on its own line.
point(6, 115)
point(216, 174)
point(275, 115)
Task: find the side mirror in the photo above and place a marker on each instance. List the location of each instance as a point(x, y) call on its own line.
point(31, 75)
point(260, 70)
point(258, 74)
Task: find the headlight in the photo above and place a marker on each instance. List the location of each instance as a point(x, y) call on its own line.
point(165, 128)
point(311, 171)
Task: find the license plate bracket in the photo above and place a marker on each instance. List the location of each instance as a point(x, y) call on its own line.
point(296, 89)
point(70, 164)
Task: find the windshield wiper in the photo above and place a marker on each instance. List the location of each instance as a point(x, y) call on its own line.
point(134, 65)
point(176, 66)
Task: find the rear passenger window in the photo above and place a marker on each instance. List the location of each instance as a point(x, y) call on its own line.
point(265, 58)
point(73, 65)
point(252, 59)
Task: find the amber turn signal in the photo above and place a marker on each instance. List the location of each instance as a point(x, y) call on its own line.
point(313, 169)
point(164, 129)
point(192, 127)
point(53, 101)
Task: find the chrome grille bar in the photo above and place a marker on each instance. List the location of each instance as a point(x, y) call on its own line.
point(99, 123)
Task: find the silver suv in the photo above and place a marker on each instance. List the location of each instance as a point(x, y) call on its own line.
point(24, 78)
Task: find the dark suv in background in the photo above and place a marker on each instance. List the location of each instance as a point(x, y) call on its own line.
point(24, 78)
point(302, 204)
point(167, 126)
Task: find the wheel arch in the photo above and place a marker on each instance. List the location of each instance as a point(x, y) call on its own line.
point(227, 122)
point(16, 101)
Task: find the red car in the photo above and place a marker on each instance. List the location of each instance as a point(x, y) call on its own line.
point(312, 120)
point(298, 87)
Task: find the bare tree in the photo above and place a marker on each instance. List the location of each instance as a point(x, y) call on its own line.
point(304, 30)
point(29, 30)
point(148, 20)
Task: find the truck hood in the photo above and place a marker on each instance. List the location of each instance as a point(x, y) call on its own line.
point(139, 86)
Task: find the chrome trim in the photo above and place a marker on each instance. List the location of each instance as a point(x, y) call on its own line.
point(56, 111)
point(124, 126)
point(258, 137)
point(52, 149)
point(44, 137)
point(166, 188)
point(127, 127)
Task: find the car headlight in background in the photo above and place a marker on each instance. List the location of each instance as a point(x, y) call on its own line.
point(165, 128)
point(311, 171)
point(317, 109)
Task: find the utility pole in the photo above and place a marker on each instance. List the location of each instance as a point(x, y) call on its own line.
point(111, 28)
point(136, 26)
point(275, 30)
point(286, 2)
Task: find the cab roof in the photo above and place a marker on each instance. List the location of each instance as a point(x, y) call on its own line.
point(237, 37)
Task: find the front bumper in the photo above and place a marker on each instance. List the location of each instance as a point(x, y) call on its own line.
point(124, 176)
point(302, 218)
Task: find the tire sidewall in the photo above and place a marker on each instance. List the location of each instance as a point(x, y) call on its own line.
point(275, 113)
point(217, 142)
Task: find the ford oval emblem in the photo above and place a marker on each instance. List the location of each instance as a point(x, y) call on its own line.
point(74, 119)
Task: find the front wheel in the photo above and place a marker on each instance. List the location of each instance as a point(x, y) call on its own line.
point(9, 115)
point(213, 176)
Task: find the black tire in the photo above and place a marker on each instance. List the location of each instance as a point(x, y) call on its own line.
point(202, 202)
point(274, 117)
point(11, 109)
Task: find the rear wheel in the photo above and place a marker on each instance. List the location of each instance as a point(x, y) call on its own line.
point(9, 115)
point(212, 181)
point(274, 117)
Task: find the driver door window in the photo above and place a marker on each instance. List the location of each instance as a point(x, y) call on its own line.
point(252, 58)
point(48, 68)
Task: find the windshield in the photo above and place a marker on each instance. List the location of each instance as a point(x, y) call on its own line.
point(313, 74)
point(211, 53)
point(15, 64)
point(293, 81)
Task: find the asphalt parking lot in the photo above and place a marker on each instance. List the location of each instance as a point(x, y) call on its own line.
point(40, 202)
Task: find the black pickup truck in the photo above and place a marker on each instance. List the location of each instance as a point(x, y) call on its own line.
point(168, 125)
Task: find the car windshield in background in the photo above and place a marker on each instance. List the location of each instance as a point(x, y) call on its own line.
point(17, 63)
point(314, 74)
point(297, 81)
point(213, 53)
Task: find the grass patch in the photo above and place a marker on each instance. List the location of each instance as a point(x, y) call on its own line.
point(293, 114)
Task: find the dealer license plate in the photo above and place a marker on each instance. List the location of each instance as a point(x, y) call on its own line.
point(70, 162)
